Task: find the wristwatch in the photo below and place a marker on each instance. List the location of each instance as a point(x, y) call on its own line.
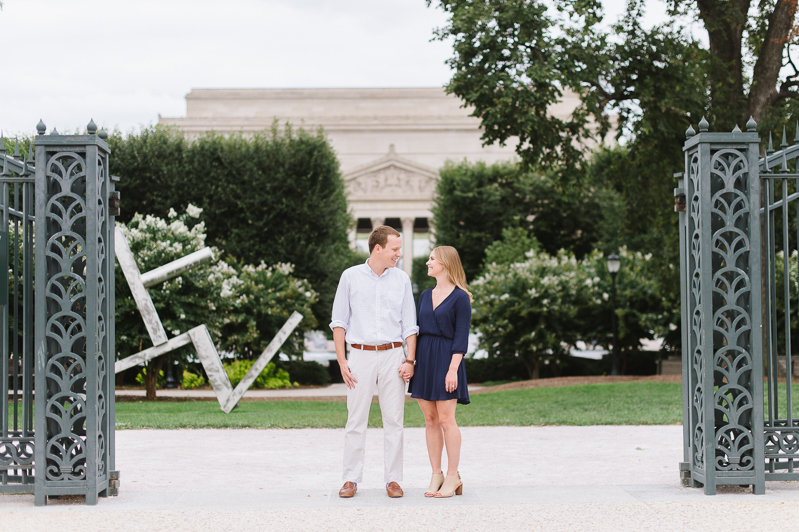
point(409, 361)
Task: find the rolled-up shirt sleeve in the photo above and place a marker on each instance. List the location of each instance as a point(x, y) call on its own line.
point(408, 316)
point(341, 304)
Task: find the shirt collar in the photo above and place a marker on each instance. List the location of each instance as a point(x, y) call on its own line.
point(371, 271)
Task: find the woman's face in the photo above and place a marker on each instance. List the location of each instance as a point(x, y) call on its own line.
point(434, 268)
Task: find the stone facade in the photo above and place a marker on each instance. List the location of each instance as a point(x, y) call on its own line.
point(390, 142)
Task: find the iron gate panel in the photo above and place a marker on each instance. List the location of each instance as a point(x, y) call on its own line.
point(16, 325)
point(722, 313)
point(780, 214)
point(57, 330)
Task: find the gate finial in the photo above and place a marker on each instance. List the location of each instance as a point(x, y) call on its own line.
point(54, 132)
point(102, 134)
point(703, 125)
point(796, 138)
point(40, 127)
point(784, 142)
point(16, 148)
point(91, 127)
point(751, 125)
point(736, 129)
point(2, 144)
point(770, 149)
point(690, 132)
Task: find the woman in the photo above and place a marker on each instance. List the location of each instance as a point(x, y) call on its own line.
point(439, 379)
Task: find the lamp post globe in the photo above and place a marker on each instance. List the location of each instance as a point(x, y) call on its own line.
point(614, 265)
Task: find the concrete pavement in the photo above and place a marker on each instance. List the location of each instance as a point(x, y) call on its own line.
point(515, 478)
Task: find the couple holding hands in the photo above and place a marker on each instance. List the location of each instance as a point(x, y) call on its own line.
point(374, 312)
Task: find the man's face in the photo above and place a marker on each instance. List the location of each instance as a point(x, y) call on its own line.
point(388, 256)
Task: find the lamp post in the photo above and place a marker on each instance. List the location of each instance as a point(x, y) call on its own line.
point(614, 264)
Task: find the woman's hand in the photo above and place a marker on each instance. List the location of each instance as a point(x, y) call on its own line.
point(406, 371)
point(451, 381)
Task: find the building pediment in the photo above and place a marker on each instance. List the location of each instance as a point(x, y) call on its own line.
point(391, 178)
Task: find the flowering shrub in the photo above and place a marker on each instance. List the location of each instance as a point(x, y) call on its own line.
point(539, 308)
point(529, 309)
point(242, 306)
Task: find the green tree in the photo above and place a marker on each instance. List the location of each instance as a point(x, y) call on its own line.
point(275, 197)
point(474, 202)
point(514, 58)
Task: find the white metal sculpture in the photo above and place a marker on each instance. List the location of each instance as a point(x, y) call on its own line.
point(227, 396)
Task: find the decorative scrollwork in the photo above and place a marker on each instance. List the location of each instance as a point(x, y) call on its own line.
point(100, 336)
point(697, 333)
point(16, 453)
point(732, 324)
point(65, 370)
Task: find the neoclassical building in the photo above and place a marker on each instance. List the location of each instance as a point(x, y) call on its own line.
point(390, 143)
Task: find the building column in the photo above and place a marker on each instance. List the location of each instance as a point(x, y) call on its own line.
point(377, 222)
point(407, 245)
point(353, 235)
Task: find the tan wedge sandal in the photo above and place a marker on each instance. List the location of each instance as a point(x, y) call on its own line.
point(453, 485)
point(435, 484)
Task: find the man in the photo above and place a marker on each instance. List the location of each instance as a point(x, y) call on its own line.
point(374, 312)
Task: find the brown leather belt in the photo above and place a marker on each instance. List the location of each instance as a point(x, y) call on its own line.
point(383, 347)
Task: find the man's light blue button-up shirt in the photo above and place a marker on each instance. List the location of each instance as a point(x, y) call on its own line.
point(374, 310)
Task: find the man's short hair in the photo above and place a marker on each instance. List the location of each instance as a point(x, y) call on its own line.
point(380, 236)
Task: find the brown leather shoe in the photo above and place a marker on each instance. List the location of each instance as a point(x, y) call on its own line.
point(394, 490)
point(348, 490)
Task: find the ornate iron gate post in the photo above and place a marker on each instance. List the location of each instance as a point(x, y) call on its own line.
point(74, 338)
point(722, 310)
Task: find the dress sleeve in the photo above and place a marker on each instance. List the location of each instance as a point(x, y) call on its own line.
point(463, 319)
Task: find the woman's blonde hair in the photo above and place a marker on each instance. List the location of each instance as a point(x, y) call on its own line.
point(448, 256)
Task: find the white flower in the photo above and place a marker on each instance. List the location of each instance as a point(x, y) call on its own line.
point(193, 211)
point(172, 213)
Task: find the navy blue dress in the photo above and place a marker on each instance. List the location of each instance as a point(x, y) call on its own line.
point(442, 333)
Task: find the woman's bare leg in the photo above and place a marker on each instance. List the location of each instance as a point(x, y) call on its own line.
point(432, 433)
point(452, 434)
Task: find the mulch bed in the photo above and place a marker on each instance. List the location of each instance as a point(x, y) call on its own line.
point(577, 381)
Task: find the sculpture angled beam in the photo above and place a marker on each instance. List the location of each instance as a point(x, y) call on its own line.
point(199, 336)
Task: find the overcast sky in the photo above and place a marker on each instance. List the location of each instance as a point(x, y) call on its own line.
point(125, 62)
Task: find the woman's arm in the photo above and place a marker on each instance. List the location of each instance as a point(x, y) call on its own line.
point(460, 341)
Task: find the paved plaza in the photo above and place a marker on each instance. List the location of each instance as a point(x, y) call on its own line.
point(515, 478)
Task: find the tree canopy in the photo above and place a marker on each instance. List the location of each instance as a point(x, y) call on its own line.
point(474, 202)
point(513, 59)
point(275, 197)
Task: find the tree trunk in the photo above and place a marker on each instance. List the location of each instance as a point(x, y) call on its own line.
point(151, 376)
point(725, 21)
point(537, 368)
point(769, 62)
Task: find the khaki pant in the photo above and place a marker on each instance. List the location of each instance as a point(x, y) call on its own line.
point(375, 370)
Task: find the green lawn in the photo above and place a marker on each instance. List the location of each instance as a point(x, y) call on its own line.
point(598, 404)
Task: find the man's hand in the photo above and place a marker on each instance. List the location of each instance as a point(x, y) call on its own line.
point(349, 380)
point(406, 371)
